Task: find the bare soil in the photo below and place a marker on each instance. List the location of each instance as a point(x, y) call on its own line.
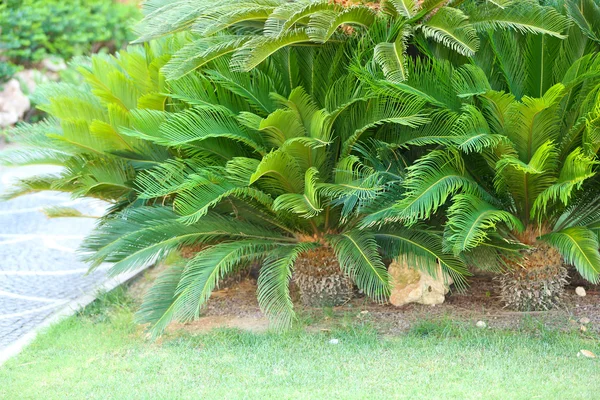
point(236, 307)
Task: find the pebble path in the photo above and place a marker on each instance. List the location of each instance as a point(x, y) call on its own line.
point(40, 272)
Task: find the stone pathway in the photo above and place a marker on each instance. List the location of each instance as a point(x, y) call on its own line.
point(40, 273)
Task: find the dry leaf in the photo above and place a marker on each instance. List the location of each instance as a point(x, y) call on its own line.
point(587, 353)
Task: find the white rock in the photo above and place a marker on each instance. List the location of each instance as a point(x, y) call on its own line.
point(414, 286)
point(334, 341)
point(481, 324)
point(13, 103)
point(584, 320)
point(580, 291)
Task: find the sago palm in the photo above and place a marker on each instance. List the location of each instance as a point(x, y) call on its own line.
point(516, 168)
point(252, 30)
point(286, 183)
point(84, 129)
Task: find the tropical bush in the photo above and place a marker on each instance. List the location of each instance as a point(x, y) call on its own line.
point(273, 174)
point(83, 132)
point(321, 139)
point(31, 30)
point(527, 174)
point(7, 71)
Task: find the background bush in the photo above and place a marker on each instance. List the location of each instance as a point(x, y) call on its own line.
point(30, 30)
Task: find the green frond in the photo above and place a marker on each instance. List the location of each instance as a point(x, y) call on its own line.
point(273, 284)
point(355, 185)
point(169, 177)
point(292, 14)
point(200, 52)
point(281, 168)
point(380, 111)
point(357, 253)
point(471, 220)
point(160, 297)
point(391, 58)
point(586, 14)
point(523, 16)
point(406, 8)
point(31, 185)
point(205, 192)
point(449, 27)
point(220, 18)
point(324, 24)
point(470, 80)
point(422, 250)
point(308, 204)
point(192, 126)
point(199, 278)
point(260, 48)
point(526, 181)
point(63, 212)
point(280, 126)
point(494, 107)
point(575, 170)
point(255, 87)
point(430, 182)
point(533, 121)
point(579, 247)
point(145, 235)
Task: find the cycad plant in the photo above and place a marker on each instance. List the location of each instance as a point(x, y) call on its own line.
point(516, 168)
point(277, 171)
point(84, 129)
point(252, 30)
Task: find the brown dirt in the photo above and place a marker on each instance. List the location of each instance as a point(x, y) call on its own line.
point(237, 307)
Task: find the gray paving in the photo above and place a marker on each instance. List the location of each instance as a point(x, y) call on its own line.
point(40, 271)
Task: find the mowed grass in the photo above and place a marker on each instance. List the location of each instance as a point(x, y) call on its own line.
point(101, 354)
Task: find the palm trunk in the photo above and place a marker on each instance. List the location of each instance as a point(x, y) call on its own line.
point(321, 281)
point(536, 282)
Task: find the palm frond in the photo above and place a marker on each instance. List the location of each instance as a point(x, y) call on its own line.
point(471, 220)
point(523, 16)
point(579, 247)
point(449, 27)
point(273, 284)
point(358, 257)
point(422, 250)
point(308, 204)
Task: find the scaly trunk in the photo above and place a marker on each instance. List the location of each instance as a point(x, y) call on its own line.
point(320, 280)
point(536, 282)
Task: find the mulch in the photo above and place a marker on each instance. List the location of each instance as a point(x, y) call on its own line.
point(236, 306)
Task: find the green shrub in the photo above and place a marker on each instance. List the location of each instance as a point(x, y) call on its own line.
point(7, 70)
point(30, 30)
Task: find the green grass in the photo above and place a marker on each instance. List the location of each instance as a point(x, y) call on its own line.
point(100, 354)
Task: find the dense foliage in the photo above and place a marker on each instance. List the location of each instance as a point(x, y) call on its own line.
point(31, 30)
point(453, 134)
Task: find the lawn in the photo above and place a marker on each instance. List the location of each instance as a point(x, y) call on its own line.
point(101, 354)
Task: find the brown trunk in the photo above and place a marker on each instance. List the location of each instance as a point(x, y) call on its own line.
point(321, 281)
point(536, 282)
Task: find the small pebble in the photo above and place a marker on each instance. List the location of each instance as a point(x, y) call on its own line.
point(334, 341)
point(582, 328)
point(481, 324)
point(585, 320)
point(364, 312)
point(580, 291)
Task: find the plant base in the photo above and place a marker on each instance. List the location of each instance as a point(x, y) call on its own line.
point(536, 283)
point(321, 281)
